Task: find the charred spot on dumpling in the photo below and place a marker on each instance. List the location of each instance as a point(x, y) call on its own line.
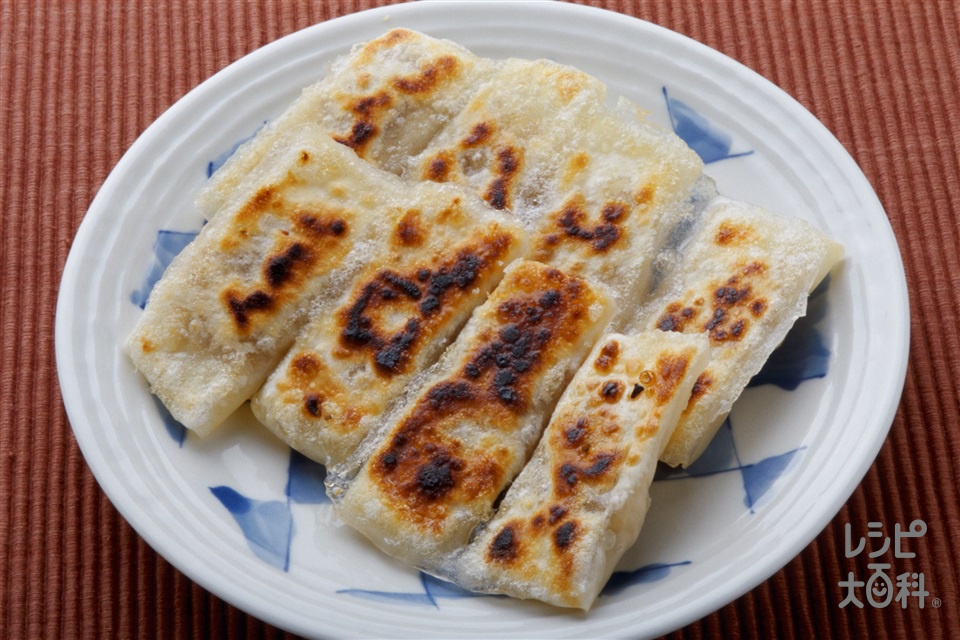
point(508, 161)
point(304, 157)
point(565, 534)
point(517, 350)
point(550, 299)
point(544, 309)
point(724, 324)
point(676, 317)
point(574, 434)
point(738, 327)
point(279, 268)
point(478, 134)
point(315, 224)
point(462, 274)
point(503, 547)
point(600, 464)
point(608, 356)
point(496, 195)
point(438, 168)
point(569, 474)
point(242, 306)
point(612, 391)
point(572, 219)
point(732, 303)
point(312, 404)
point(427, 288)
point(360, 134)
point(716, 320)
point(701, 386)
point(729, 295)
point(613, 211)
point(432, 74)
point(444, 394)
point(506, 166)
point(388, 459)
point(437, 476)
point(429, 305)
point(390, 351)
point(369, 105)
point(392, 356)
point(366, 110)
point(410, 231)
point(557, 513)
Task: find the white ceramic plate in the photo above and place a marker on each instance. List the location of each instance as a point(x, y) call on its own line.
point(247, 520)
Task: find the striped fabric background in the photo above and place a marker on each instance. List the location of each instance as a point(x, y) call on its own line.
point(79, 81)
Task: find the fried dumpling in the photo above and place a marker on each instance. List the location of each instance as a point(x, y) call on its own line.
point(386, 99)
point(433, 473)
point(579, 503)
point(439, 261)
point(598, 187)
point(742, 280)
point(231, 304)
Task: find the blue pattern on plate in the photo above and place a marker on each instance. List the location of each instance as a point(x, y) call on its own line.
point(760, 476)
point(266, 524)
point(432, 590)
point(710, 142)
point(620, 580)
point(221, 159)
point(176, 430)
point(721, 456)
point(305, 480)
point(804, 354)
point(165, 248)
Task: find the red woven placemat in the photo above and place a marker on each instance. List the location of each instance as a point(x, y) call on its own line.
point(79, 81)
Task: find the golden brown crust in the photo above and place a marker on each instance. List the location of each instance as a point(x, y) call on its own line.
point(580, 501)
point(437, 261)
point(538, 315)
point(742, 281)
point(372, 113)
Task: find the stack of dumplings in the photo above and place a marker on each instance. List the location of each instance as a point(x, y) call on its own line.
point(438, 275)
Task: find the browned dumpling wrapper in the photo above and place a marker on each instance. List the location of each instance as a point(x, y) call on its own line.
point(385, 100)
point(434, 266)
point(742, 280)
point(231, 304)
point(579, 503)
point(598, 187)
point(433, 473)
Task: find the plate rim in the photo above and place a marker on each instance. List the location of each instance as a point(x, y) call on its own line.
point(65, 358)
